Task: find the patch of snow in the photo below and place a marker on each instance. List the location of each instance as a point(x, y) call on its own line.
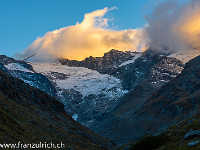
point(59, 93)
point(193, 143)
point(18, 67)
point(75, 116)
point(131, 61)
point(191, 133)
point(29, 82)
point(91, 121)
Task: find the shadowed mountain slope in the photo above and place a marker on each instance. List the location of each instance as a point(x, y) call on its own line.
point(143, 78)
point(30, 115)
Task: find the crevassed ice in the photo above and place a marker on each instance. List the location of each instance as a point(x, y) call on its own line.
point(81, 79)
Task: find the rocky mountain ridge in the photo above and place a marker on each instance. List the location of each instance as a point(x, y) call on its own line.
point(105, 64)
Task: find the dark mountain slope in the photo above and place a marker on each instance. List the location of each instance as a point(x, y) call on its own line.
point(178, 99)
point(34, 79)
point(182, 136)
point(30, 115)
point(3, 68)
point(143, 78)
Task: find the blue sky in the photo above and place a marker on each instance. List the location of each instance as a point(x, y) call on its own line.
point(22, 21)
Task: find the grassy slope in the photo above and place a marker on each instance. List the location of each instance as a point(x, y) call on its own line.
point(172, 139)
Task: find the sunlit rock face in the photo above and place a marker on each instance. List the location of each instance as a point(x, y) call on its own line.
point(106, 64)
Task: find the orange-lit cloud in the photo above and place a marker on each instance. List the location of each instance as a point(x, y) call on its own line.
point(174, 26)
point(171, 26)
point(91, 37)
point(189, 25)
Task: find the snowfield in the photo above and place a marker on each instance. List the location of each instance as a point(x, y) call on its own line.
point(186, 56)
point(18, 67)
point(132, 60)
point(81, 79)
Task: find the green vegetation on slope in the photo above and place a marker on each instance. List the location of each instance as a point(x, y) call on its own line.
point(172, 139)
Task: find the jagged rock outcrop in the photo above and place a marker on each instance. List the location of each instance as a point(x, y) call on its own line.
point(178, 99)
point(155, 66)
point(105, 64)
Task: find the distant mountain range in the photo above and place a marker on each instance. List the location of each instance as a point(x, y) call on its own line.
point(122, 95)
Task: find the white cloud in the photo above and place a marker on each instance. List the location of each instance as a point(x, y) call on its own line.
point(175, 26)
point(91, 37)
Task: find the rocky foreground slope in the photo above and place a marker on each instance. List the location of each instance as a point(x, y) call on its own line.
point(30, 115)
point(182, 136)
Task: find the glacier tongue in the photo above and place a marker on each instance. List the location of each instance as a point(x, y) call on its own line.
point(86, 94)
point(81, 79)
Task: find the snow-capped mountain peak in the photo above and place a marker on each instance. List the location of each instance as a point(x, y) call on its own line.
point(186, 56)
